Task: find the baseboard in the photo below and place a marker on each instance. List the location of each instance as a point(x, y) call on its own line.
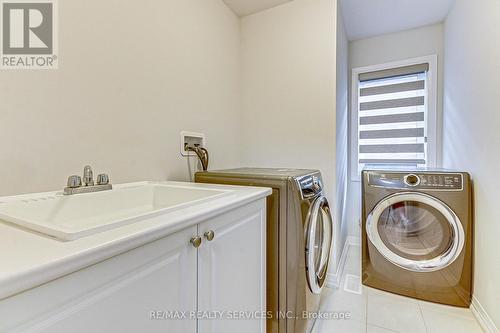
point(482, 317)
point(333, 280)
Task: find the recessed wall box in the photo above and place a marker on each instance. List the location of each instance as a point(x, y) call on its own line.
point(191, 139)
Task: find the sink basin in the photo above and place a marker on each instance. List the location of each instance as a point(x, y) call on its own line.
point(72, 217)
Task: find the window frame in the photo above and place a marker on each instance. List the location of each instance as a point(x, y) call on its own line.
point(431, 115)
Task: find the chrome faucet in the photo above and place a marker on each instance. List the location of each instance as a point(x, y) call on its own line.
point(88, 176)
point(76, 186)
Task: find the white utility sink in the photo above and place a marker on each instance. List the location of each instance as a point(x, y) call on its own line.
point(72, 217)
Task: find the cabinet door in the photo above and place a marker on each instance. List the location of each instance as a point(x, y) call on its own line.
point(116, 295)
point(231, 272)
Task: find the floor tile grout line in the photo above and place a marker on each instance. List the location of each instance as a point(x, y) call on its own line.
point(423, 318)
point(385, 328)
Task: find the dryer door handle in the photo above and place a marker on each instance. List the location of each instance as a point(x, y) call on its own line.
point(317, 267)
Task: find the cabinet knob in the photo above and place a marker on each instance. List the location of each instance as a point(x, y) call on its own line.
point(209, 235)
point(196, 241)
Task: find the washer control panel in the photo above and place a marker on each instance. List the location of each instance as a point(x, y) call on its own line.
point(417, 180)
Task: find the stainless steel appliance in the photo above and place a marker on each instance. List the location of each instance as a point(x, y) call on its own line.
point(299, 239)
point(417, 238)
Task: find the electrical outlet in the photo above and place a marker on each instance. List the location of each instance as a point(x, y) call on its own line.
point(191, 139)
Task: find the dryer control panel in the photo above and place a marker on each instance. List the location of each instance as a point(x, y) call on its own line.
point(310, 186)
point(417, 180)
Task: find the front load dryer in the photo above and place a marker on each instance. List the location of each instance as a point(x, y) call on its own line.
point(417, 234)
point(299, 240)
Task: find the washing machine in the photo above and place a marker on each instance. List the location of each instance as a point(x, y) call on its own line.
point(417, 234)
point(299, 239)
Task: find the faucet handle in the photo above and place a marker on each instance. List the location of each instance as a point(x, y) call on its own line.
point(74, 181)
point(88, 176)
point(102, 179)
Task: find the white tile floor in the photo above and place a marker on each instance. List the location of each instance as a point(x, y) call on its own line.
point(374, 311)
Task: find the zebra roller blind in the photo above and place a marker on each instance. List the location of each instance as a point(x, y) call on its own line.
point(392, 116)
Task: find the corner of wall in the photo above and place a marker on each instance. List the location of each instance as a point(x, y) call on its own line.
point(342, 105)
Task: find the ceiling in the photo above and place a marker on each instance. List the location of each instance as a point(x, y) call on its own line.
point(368, 18)
point(247, 7)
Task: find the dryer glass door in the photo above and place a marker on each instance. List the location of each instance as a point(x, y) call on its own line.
point(416, 231)
point(318, 243)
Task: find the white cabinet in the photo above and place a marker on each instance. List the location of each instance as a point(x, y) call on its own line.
point(133, 292)
point(116, 295)
point(231, 274)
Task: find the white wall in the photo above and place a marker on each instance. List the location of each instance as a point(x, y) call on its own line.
point(471, 130)
point(131, 77)
point(288, 70)
point(398, 46)
point(342, 122)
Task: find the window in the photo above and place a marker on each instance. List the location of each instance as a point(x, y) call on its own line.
point(394, 116)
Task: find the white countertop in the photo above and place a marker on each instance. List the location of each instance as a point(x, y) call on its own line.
point(28, 259)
